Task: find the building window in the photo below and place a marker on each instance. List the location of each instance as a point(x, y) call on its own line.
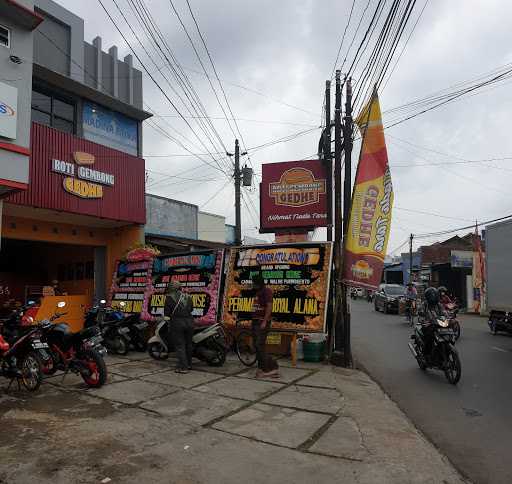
point(54, 112)
point(5, 37)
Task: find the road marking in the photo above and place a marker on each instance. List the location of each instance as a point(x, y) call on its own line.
point(499, 349)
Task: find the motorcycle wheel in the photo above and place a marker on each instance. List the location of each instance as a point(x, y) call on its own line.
point(456, 330)
point(452, 368)
point(140, 345)
point(97, 370)
point(157, 351)
point(31, 371)
point(245, 349)
point(121, 345)
point(219, 358)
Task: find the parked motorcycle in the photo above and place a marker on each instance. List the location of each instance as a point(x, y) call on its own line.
point(120, 331)
point(20, 360)
point(81, 353)
point(500, 321)
point(208, 343)
point(442, 355)
point(111, 323)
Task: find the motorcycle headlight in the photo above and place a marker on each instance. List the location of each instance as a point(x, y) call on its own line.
point(443, 323)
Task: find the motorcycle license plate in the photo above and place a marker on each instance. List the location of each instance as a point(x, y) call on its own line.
point(39, 345)
point(445, 332)
point(95, 340)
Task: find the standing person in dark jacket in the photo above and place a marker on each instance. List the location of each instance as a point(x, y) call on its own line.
point(178, 307)
point(261, 321)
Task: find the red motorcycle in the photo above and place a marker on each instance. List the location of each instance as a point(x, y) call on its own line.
point(81, 353)
point(20, 361)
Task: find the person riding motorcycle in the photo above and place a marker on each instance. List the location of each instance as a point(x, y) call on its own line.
point(411, 295)
point(432, 311)
point(443, 296)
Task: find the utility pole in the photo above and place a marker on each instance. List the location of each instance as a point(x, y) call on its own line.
point(410, 257)
point(347, 204)
point(328, 156)
point(338, 232)
point(238, 176)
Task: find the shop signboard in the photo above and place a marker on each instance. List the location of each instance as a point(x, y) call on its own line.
point(462, 259)
point(8, 110)
point(298, 275)
point(293, 194)
point(199, 274)
point(71, 174)
point(110, 128)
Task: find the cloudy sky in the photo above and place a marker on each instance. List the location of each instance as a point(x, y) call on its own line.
point(285, 50)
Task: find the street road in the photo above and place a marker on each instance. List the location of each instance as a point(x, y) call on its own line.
point(472, 422)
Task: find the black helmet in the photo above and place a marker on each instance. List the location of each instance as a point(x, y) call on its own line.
point(432, 296)
point(442, 289)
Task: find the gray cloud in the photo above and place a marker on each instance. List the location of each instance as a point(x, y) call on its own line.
point(286, 49)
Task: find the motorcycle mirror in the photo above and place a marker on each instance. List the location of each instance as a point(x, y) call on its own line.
point(61, 304)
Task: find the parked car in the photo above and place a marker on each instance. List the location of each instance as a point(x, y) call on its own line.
point(387, 298)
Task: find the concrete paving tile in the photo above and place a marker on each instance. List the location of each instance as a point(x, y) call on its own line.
point(111, 359)
point(243, 388)
point(132, 391)
point(308, 365)
point(188, 380)
point(306, 398)
point(134, 369)
point(230, 367)
point(341, 439)
point(333, 377)
point(193, 407)
point(286, 374)
point(73, 381)
point(136, 356)
point(274, 425)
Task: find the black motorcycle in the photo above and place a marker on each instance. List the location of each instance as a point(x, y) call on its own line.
point(442, 354)
point(120, 332)
point(81, 353)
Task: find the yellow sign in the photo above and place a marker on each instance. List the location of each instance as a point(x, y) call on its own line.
point(82, 189)
point(372, 203)
point(274, 339)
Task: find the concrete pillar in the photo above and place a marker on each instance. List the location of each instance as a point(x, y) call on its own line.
point(129, 60)
point(115, 71)
point(97, 43)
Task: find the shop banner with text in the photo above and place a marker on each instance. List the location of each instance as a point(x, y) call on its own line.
point(293, 194)
point(372, 203)
point(199, 274)
point(142, 285)
point(298, 275)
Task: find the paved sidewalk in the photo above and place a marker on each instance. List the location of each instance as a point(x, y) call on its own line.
point(213, 425)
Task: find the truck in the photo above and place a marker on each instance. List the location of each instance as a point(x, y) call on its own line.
point(498, 242)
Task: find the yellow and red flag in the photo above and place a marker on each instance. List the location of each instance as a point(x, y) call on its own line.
point(372, 202)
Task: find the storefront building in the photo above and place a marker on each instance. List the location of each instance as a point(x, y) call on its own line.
point(84, 204)
point(17, 23)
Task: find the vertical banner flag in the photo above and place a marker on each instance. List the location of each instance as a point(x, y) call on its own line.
point(372, 203)
point(478, 272)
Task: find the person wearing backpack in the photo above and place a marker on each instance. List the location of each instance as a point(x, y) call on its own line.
point(178, 308)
